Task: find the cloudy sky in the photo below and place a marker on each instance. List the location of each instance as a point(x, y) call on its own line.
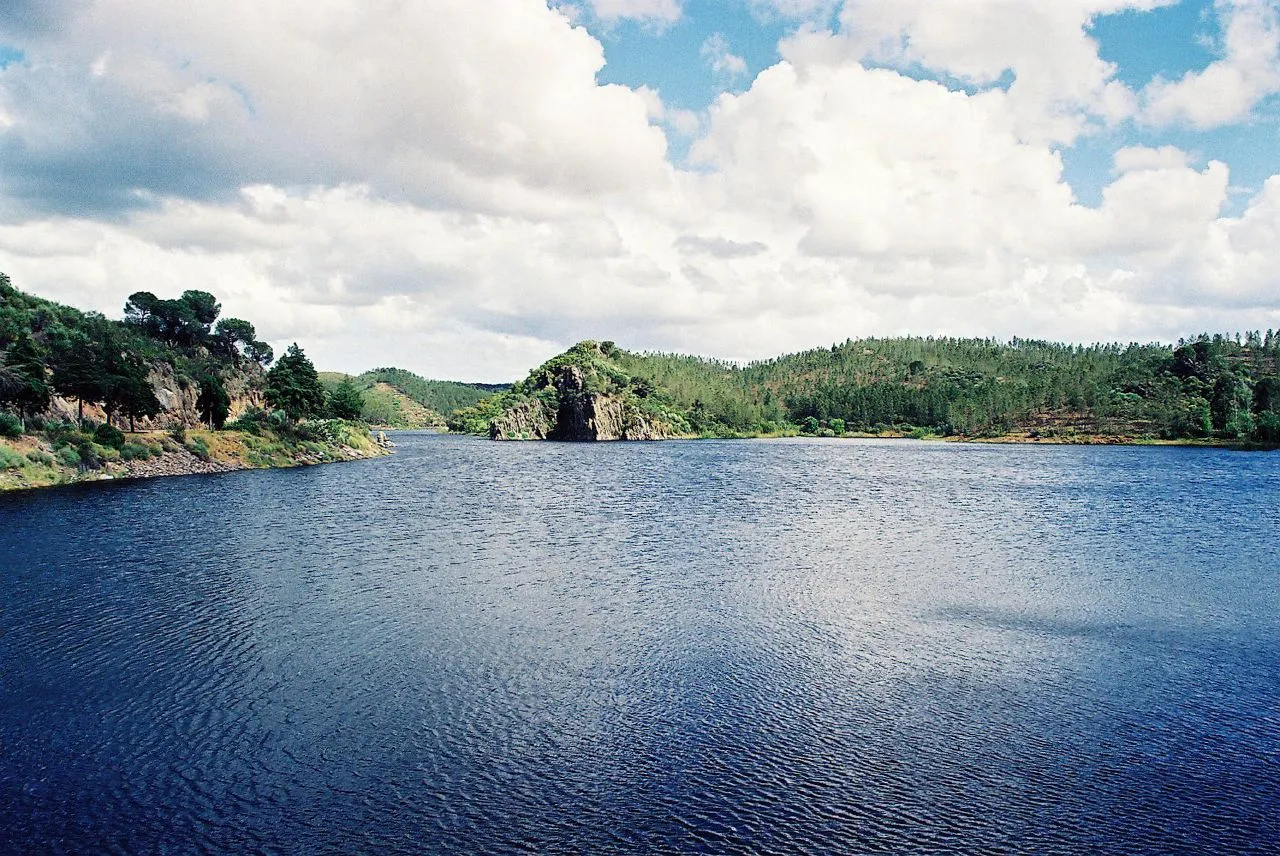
point(464, 188)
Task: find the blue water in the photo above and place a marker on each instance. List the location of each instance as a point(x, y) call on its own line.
point(710, 647)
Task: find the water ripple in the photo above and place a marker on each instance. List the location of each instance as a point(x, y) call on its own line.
point(717, 647)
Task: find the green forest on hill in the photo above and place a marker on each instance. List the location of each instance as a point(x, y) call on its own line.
point(1211, 387)
point(398, 398)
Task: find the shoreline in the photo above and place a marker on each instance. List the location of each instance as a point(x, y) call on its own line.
point(203, 453)
point(996, 440)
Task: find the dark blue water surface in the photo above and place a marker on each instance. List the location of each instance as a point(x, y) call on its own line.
point(718, 647)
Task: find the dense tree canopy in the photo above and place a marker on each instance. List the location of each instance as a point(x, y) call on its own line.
point(294, 386)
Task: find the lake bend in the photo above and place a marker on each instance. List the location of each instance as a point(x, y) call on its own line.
point(790, 646)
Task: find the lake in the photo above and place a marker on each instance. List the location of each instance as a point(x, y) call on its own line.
point(788, 646)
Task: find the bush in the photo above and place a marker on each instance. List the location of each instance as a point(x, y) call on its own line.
point(11, 460)
point(89, 456)
point(179, 433)
point(38, 457)
point(10, 425)
point(134, 452)
point(68, 457)
point(109, 436)
point(199, 448)
point(252, 421)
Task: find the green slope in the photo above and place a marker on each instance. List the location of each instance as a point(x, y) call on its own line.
point(1214, 388)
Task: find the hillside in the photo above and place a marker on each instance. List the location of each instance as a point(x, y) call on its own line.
point(1211, 388)
point(86, 397)
point(397, 398)
point(583, 394)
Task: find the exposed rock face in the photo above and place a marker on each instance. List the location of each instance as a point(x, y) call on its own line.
point(178, 399)
point(525, 421)
point(591, 416)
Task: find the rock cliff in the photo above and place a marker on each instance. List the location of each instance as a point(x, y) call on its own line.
point(581, 397)
point(178, 398)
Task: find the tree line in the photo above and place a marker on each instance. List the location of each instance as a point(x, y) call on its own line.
point(1209, 386)
point(48, 349)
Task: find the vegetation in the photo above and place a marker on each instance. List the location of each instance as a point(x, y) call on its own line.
point(1210, 388)
point(114, 369)
point(294, 386)
point(397, 398)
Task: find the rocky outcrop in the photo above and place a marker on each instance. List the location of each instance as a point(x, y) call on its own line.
point(526, 420)
point(581, 416)
point(178, 397)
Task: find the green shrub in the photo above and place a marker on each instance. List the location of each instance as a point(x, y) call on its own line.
point(134, 452)
point(10, 459)
point(39, 457)
point(109, 436)
point(252, 421)
point(199, 448)
point(10, 425)
point(179, 433)
point(89, 455)
point(68, 457)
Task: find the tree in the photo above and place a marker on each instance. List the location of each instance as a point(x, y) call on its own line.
point(294, 387)
point(203, 306)
point(261, 353)
point(28, 385)
point(1231, 405)
point(214, 403)
point(232, 334)
point(77, 368)
point(346, 401)
point(125, 387)
point(137, 397)
point(140, 310)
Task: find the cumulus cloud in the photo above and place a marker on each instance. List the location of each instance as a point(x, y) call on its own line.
point(1056, 81)
point(165, 100)
point(361, 178)
point(1131, 158)
point(1229, 88)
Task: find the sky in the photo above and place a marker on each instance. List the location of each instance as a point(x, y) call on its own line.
point(466, 188)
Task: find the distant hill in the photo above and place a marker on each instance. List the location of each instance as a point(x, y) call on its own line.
point(1212, 388)
point(397, 398)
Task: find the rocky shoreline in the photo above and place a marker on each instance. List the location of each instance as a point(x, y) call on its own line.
point(229, 452)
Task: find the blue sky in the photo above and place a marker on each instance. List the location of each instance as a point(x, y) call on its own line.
point(1164, 42)
point(462, 189)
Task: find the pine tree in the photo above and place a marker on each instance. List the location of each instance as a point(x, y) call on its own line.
point(294, 387)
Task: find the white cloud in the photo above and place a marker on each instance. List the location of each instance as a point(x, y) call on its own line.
point(1131, 158)
point(360, 178)
point(1228, 89)
point(1058, 81)
point(649, 11)
point(720, 59)
point(508, 118)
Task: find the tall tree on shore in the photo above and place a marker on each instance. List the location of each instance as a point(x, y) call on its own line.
point(346, 402)
point(294, 386)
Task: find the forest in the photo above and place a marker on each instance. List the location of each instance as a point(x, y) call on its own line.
point(1209, 387)
point(166, 366)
